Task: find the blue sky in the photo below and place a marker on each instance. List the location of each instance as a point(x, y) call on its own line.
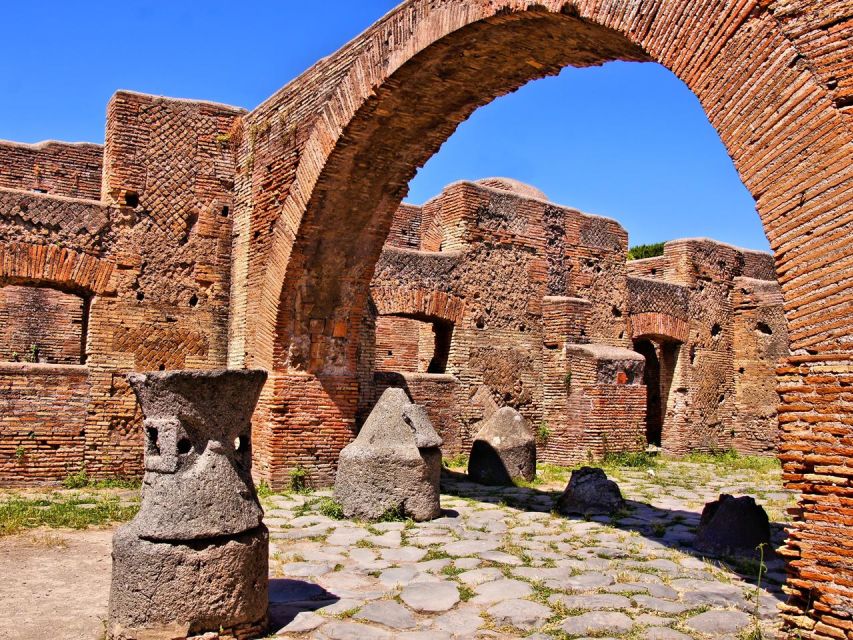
point(628, 141)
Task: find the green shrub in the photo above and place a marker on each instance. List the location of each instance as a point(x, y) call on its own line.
point(646, 251)
point(331, 509)
point(299, 479)
point(632, 459)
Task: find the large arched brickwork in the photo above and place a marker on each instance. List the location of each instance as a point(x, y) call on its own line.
point(325, 162)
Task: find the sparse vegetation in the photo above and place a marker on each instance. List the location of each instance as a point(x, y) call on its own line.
point(456, 462)
point(631, 459)
point(331, 508)
point(299, 479)
point(640, 251)
point(734, 461)
point(73, 511)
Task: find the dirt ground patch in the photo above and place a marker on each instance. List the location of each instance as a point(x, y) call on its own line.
point(56, 584)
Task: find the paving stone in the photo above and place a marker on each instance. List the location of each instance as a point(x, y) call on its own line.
point(591, 602)
point(430, 597)
point(388, 613)
point(499, 557)
point(467, 563)
point(521, 614)
point(305, 569)
point(597, 623)
point(500, 590)
point(582, 582)
point(352, 631)
point(303, 622)
point(389, 539)
point(470, 547)
point(460, 622)
point(660, 605)
point(664, 633)
point(398, 576)
point(403, 554)
point(479, 576)
point(719, 622)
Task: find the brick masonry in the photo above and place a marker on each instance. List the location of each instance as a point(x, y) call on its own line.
point(287, 209)
point(537, 299)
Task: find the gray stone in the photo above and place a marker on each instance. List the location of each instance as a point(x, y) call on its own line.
point(302, 622)
point(521, 614)
point(461, 622)
point(732, 526)
point(198, 456)
point(388, 613)
point(718, 622)
point(663, 633)
point(597, 623)
point(353, 631)
point(591, 602)
point(500, 590)
point(393, 464)
point(430, 597)
point(196, 556)
point(202, 585)
point(590, 492)
point(504, 448)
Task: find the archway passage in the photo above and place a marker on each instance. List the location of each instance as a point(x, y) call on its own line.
point(652, 379)
point(661, 359)
point(324, 164)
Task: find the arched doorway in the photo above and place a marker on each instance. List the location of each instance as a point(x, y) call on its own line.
point(661, 359)
point(325, 163)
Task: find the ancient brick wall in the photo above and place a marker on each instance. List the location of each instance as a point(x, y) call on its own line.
point(42, 325)
point(56, 168)
point(686, 303)
point(42, 422)
point(152, 262)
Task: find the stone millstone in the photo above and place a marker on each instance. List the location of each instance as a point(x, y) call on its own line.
point(198, 457)
point(173, 590)
point(505, 448)
point(195, 558)
point(732, 526)
point(590, 492)
point(393, 465)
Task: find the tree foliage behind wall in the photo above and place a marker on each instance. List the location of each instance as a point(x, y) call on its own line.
point(646, 251)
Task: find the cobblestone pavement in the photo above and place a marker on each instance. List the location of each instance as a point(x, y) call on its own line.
point(499, 564)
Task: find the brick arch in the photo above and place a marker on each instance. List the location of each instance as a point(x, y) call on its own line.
point(658, 325)
point(326, 161)
point(51, 265)
point(418, 302)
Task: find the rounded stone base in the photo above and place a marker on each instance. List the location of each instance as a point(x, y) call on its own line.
point(368, 485)
point(164, 590)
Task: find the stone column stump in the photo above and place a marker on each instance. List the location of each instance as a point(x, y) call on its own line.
point(195, 558)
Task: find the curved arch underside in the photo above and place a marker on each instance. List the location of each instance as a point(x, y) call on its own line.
point(325, 162)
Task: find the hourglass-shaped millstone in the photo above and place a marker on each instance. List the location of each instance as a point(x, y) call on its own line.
point(196, 557)
point(198, 453)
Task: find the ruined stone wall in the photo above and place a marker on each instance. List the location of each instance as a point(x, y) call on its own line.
point(42, 422)
point(720, 391)
point(149, 266)
point(42, 325)
point(56, 168)
point(503, 250)
point(544, 290)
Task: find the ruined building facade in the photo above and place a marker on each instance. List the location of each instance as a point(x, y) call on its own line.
point(119, 258)
point(218, 237)
point(490, 295)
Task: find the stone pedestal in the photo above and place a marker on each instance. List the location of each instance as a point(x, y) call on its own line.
point(195, 558)
point(393, 465)
point(504, 449)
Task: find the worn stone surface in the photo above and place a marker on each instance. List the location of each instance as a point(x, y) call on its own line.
point(198, 454)
point(732, 526)
point(590, 492)
point(195, 559)
point(202, 586)
point(393, 465)
point(505, 448)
